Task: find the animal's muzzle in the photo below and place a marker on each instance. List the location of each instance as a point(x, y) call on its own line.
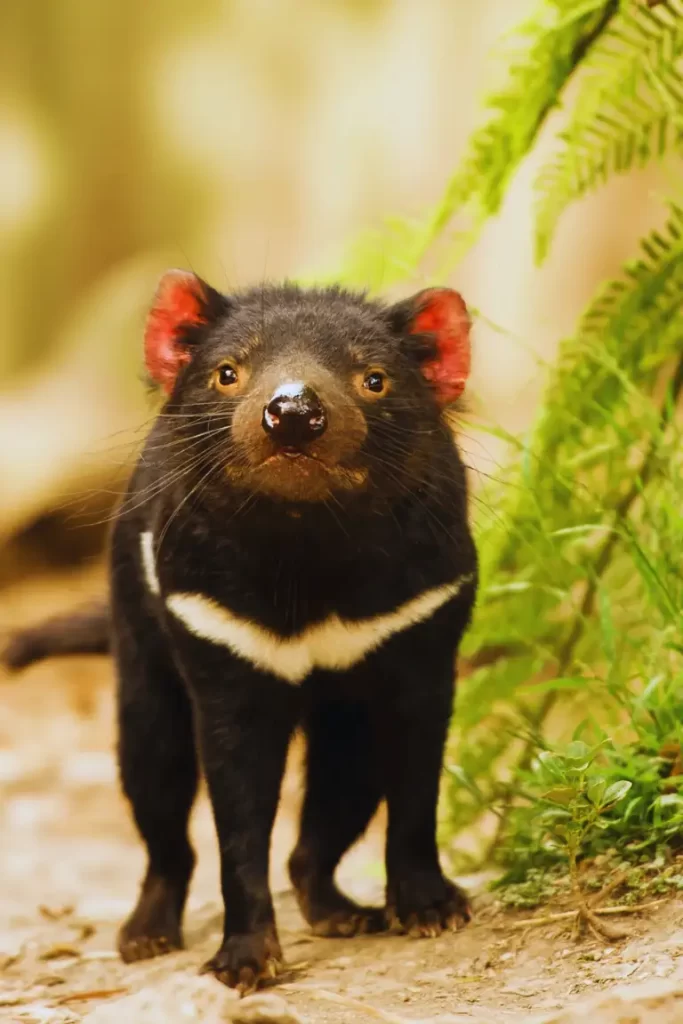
point(294, 415)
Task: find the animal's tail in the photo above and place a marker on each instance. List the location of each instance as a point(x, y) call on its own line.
point(84, 631)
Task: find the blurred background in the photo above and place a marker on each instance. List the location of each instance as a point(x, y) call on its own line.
point(248, 140)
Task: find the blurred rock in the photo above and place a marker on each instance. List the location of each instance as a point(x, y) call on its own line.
point(181, 998)
point(177, 999)
point(264, 1008)
point(654, 1002)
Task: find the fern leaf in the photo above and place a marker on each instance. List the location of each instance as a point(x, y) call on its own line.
point(557, 39)
point(644, 306)
point(629, 110)
point(599, 398)
point(563, 505)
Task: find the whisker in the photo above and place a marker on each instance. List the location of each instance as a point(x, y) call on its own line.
point(192, 440)
point(337, 520)
point(146, 494)
point(183, 501)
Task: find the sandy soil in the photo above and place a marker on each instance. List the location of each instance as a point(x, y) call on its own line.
point(70, 863)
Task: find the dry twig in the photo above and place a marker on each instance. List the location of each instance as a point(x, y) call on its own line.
point(95, 993)
point(586, 914)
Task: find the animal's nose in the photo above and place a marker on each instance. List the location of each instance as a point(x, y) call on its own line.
point(294, 415)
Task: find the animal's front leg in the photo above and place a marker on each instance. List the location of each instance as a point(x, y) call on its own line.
point(244, 728)
point(412, 725)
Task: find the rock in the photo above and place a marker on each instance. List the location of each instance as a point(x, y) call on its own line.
point(264, 1008)
point(178, 999)
point(653, 1002)
point(183, 998)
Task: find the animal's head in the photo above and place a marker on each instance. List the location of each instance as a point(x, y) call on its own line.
point(302, 394)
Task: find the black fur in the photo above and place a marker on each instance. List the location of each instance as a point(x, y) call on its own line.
point(266, 551)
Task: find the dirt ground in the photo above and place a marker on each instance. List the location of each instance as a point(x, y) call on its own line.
point(70, 864)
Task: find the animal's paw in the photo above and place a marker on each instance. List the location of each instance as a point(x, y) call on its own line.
point(153, 928)
point(350, 920)
point(244, 961)
point(428, 904)
point(144, 947)
point(328, 911)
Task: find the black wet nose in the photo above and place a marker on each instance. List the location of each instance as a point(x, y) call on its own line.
point(294, 415)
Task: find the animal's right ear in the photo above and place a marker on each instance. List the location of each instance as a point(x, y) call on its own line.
point(182, 302)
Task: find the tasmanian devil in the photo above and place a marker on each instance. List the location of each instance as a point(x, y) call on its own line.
point(293, 550)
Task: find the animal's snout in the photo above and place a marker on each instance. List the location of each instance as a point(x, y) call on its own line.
point(294, 415)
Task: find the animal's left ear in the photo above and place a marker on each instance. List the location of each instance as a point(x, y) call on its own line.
point(436, 327)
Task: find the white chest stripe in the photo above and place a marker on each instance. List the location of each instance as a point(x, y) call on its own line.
point(149, 561)
point(333, 644)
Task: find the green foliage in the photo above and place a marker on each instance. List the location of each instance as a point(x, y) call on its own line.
point(540, 58)
point(573, 799)
point(585, 800)
point(548, 48)
point(539, 885)
point(582, 583)
point(568, 739)
point(628, 110)
point(651, 877)
point(580, 537)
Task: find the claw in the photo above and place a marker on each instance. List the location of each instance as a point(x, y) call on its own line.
point(447, 909)
point(243, 962)
point(273, 967)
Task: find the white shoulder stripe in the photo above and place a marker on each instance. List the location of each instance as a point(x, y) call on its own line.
point(149, 567)
point(332, 644)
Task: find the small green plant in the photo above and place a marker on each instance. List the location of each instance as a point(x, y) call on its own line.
point(573, 800)
point(576, 798)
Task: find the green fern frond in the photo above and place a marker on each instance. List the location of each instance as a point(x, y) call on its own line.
point(651, 287)
point(629, 110)
point(599, 399)
point(631, 328)
point(556, 40)
point(578, 521)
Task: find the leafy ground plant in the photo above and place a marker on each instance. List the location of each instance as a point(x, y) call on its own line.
point(572, 804)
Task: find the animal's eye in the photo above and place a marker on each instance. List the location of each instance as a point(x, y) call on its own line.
point(225, 376)
point(375, 382)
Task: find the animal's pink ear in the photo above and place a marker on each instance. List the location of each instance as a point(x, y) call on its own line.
point(182, 301)
point(440, 314)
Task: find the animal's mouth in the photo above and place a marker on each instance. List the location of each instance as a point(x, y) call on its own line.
point(292, 452)
point(295, 474)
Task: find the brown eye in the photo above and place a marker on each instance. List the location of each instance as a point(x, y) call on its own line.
point(225, 376)
point(375, 382)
